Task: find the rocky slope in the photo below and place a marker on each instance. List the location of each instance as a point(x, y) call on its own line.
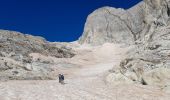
point(146, 27)
point(17, 60)
point(148, 63)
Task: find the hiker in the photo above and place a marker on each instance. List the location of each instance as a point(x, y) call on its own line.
point(61, 78)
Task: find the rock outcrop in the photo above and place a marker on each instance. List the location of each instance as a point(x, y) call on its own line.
point(17, 62)
point(151, 54)
point(144, 26)
point(148, 63)
point(129, 26)
point(112, 25)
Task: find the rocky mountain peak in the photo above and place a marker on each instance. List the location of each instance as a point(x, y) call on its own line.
point(129, 26)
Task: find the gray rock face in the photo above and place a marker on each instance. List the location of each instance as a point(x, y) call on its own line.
point(145, 26)
point(16, 61)
point(150, 59)
point(130, 26)
point(108, 24)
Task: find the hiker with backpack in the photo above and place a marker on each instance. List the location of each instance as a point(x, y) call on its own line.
point(61, 78)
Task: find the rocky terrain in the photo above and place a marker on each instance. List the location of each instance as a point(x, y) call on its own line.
point(122, 54)
point(146, 28)
point(86, 78)
point(18, 56)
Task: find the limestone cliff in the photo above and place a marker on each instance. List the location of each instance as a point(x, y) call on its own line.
point(113, 25)
point(146, 27)
point(129, 26)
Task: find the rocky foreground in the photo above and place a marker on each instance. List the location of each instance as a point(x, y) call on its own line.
point(86, 77)
point(122, 54)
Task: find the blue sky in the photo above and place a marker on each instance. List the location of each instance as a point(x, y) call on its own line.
point(55, 20)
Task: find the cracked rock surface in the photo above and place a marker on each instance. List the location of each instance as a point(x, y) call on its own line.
point(112, 25)
point(145, 27)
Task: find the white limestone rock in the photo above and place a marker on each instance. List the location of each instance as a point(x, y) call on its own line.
point(152, 47)
point(113, 25)
point(17, 63)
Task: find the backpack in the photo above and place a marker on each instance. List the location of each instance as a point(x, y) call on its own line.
point(62, 77)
